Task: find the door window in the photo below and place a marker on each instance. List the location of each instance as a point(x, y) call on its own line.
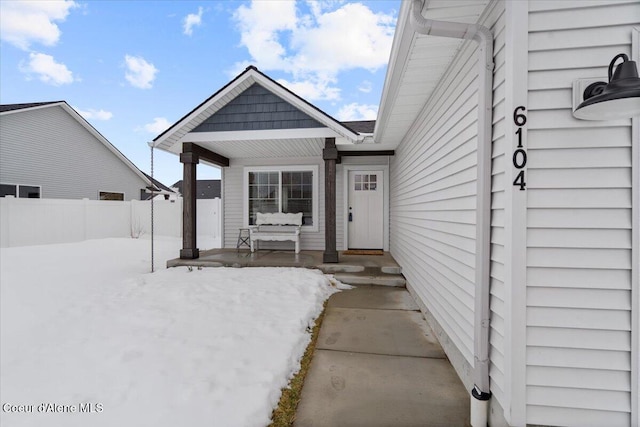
point(365, 182)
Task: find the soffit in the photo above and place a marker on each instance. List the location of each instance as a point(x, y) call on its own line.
point(274, 148)
point(418, 63)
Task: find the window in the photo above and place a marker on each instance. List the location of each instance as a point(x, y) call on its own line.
point(22, 191)
point(8, 190)
point(29, 191)
point(286, 190)
point(366, 182)
point(108, 195)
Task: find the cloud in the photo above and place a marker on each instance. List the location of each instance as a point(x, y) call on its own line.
point(48, 70)
point(159, 125)
point(365, 86)
point(25, 22)
point(317, 46)
point(313, 89)
point(349, 37)
point(260, 25)
point(357, 111)
point(94, 114)
point(192, 20)
point(140, 73)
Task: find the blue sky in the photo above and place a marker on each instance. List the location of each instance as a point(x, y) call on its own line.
point(132, 68)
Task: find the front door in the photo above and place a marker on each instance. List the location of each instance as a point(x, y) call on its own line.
point(366, 210)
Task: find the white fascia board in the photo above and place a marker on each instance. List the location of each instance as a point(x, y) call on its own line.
point(252, 135)
point(398, 59)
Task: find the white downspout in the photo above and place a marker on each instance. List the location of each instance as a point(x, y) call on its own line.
point(483, 36)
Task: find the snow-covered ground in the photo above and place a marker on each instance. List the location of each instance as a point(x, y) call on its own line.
point(85, 323)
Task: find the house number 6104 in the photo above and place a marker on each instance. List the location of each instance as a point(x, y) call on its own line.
point(520, 154)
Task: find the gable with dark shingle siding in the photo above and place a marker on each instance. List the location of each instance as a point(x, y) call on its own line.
point(257, 109)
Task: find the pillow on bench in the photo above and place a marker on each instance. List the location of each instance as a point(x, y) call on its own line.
point(279, 218)
point(277, 227)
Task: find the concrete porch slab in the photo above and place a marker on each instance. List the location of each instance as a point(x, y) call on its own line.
point(348, 264)
point(390, 332)
point(380, 297)
point(355, 389)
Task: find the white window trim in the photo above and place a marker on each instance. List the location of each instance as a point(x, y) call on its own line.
point(124, 195)
point(17, 196)
point(296, 168)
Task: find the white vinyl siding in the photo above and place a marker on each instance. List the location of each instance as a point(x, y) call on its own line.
point(234, 203)
point(433, 203)
point(579, 196)
point(497, 304)
point(49, 148)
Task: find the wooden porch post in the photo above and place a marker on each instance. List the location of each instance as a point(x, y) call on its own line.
point(330, 156)
point(189, 250)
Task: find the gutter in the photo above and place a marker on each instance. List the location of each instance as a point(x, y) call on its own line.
point(481, 392)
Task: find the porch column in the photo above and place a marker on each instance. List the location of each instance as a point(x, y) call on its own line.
point(330, 156)
point(189, 250)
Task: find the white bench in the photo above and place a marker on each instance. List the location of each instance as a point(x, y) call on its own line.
point(279, 227)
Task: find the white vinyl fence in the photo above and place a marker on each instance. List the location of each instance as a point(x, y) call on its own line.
point(25, 222)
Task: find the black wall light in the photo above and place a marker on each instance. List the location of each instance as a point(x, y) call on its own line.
point(618, 99)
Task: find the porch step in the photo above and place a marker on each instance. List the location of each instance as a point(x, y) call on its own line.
point(365, 278)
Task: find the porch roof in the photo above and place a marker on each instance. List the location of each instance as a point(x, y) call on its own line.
point(264, 143)
point(418, 65)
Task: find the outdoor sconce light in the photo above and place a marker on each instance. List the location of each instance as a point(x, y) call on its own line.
point(618, 99)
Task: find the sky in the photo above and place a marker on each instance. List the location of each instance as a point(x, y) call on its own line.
point(133, 68)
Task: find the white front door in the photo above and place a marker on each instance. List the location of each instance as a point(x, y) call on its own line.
point(366, 210)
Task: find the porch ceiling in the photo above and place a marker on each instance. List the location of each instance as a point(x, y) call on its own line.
point(418, 63)
point(279, 147)
point(269, 148)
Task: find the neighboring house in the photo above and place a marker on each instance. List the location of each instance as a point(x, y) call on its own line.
point(488, 191)
point(160, 191)
point(47, 150)
point(205, 188)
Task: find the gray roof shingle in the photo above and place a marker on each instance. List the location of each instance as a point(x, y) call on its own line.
point(361, 126)
point(12, 107)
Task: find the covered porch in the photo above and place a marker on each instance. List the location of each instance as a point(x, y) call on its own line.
point(277, 153)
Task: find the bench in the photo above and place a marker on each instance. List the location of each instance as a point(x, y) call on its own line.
point(278, 227)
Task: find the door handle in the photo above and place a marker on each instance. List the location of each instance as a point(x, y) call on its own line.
point(350, 215)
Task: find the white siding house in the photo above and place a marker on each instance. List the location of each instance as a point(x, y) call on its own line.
point(579, 222)
point(564, 256)
point(509, 216)
point(51, 149)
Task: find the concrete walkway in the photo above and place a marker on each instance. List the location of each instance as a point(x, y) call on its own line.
point(377, 363)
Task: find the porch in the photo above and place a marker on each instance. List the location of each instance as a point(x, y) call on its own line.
point(280, 154)
point(351, 269)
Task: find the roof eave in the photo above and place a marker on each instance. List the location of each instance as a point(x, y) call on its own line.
point(400, 50)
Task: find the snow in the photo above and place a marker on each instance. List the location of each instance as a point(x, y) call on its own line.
point(86, 323)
